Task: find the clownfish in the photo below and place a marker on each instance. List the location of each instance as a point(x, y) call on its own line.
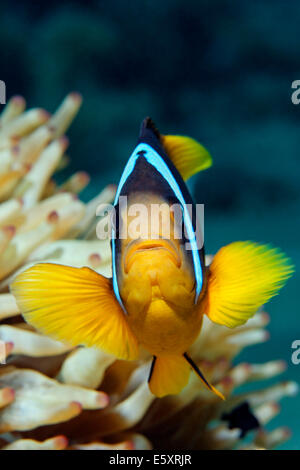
point(160, 287)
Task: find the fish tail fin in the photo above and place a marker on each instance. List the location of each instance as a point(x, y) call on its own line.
point(204, 381)
point(242, 277)
point(75, 305)
point(168, 375)
point(186, 154)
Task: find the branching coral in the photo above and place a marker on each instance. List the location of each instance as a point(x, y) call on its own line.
point(56, 397)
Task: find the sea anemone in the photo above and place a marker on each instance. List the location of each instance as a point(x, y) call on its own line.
point(53, 396)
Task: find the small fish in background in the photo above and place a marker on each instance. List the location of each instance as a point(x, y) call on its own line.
point(241, 417)
point(160, 289)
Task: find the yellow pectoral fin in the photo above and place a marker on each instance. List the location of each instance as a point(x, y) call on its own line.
point(187, 154)
point(243, 276)
point(76, 305)
point(170, 374)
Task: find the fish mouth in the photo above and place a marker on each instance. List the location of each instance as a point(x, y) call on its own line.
point(141, 246)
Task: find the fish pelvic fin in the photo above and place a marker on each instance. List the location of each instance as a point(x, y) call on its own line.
point(201, 376)
point(188, 155)
point(74, 305)
point(168, 375)
point(242, 277)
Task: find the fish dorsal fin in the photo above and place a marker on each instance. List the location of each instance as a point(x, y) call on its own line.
point(148, 125)
point(188, 155)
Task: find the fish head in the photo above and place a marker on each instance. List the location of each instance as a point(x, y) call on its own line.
point(153, 260)
point(153, 251)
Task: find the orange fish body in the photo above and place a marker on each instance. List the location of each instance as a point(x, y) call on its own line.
point(157, 308)
point(160, 288)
